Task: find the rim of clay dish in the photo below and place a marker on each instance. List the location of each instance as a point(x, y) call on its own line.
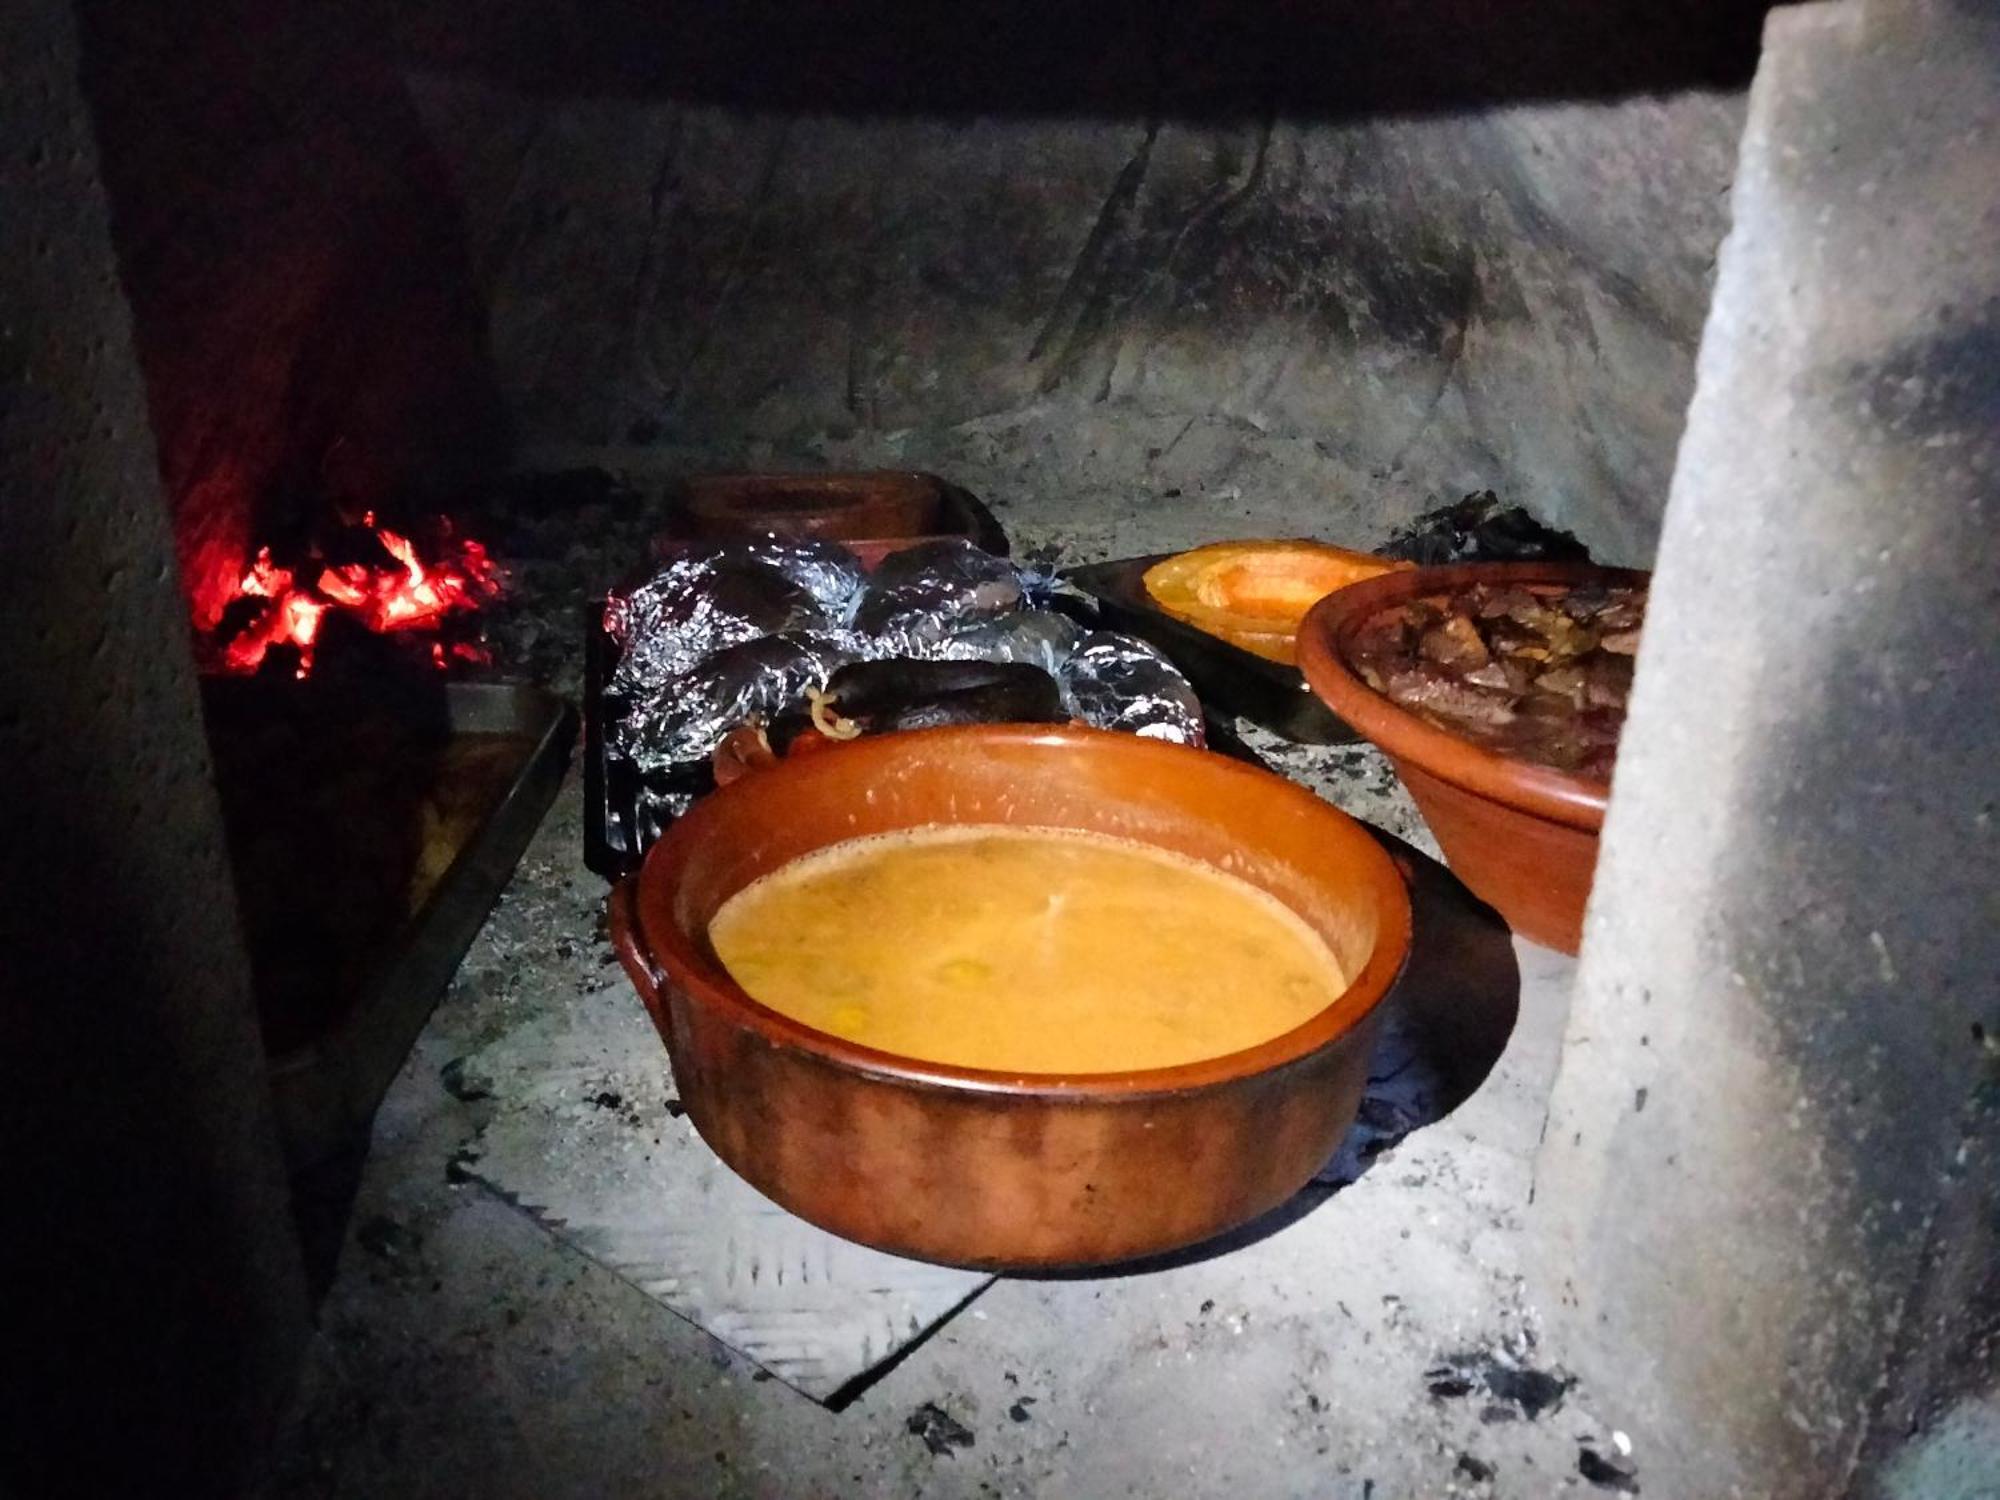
point(1328, 634)
point(684, 961)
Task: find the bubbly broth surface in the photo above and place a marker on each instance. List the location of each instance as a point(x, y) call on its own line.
point(1026, 950)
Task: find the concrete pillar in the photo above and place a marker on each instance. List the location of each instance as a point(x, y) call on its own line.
point(151, 1305)
point(1766, 1195)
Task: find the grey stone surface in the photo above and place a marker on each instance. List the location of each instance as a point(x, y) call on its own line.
point(1300, 324)
point(1768, 1209)
point(587, 1136)
point(151, 1305)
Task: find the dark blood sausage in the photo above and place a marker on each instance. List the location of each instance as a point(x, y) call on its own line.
point(1537, 672)
point(875, 697)
point(1021, 702)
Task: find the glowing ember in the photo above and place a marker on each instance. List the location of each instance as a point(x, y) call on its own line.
point(411, 595)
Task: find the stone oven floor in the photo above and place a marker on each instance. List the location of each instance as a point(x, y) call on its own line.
point(464, 1350)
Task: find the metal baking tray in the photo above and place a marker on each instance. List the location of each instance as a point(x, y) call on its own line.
point(615, 835)
point(1229, 679)
point(326, 1091)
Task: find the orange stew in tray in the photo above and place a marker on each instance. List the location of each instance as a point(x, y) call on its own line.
point(1255, 594)
point(1537, 671)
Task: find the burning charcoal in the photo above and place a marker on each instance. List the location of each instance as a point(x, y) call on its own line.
point(1518, 647)
point(919, 596)
point(750, 680)
point(1115, 682)
point(699, 605)
point(1039, 637)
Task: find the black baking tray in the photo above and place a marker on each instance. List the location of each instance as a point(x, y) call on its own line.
point(1229, 679)
point(326, 1088)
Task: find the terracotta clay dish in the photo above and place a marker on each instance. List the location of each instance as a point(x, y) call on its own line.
point(871, 513)
point(988, 1169)
point(1521, 835)
point(1254, 594)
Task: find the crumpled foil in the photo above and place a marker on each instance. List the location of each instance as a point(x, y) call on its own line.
point(749, 680)
point(1115, 682)
point(1040, 637)
point(921, 596)
point(713, 597)
point(736, 632)
point(826, 570)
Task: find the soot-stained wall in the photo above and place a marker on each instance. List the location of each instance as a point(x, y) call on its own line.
point(1274, 266)
point(1268, 271)
point(151, 1303)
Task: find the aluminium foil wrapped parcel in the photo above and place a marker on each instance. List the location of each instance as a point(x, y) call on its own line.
point(739, 632)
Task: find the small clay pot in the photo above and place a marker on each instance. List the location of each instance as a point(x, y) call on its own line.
point(871, 513)
point(1522, 836)
point(1000, 1170)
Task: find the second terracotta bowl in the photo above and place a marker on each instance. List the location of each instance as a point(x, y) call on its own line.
point(992, 1169)
point(1523, 837)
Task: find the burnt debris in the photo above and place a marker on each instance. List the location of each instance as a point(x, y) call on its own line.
point(940, 1430)
point(1480, 529)
point(1608, 1471)
point(1514, 1388)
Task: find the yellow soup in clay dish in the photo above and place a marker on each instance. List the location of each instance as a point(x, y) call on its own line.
point(1025, 950)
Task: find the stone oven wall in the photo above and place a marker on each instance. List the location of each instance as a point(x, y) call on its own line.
point(1226, 268)
point(154, 1306)
point(1251, 268)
